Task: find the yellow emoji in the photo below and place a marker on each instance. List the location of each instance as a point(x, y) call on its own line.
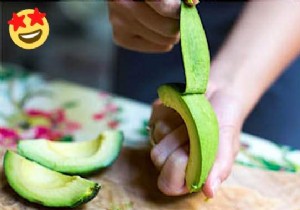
point(29, 28)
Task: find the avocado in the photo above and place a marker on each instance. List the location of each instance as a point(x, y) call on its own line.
point(202, 127)
point(195, 52)
point(189, 99)
point(41, 185)
point(75, 158)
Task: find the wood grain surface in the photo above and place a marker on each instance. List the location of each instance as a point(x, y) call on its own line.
point(131, 184)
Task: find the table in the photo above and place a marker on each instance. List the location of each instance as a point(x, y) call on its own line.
point(33, 108)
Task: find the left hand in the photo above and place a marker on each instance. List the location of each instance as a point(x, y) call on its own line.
point(170, 153)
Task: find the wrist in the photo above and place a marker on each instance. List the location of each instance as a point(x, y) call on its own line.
point(227, 79)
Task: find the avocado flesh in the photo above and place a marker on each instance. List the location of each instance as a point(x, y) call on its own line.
point(41, 185)
point(202, 127)
point(195, 52)
point(77, 157)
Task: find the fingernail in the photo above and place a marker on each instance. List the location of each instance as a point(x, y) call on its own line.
point(215, 186)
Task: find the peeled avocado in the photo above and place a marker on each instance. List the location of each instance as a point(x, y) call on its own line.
point(202, 127)
point(77, 157)
point(41, 185)
point(190, 102)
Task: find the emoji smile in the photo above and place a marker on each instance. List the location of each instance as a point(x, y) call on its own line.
point(31, 36)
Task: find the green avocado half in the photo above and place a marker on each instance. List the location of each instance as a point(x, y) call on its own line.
point(77, 158)
point(41, 185)
point(202, 127)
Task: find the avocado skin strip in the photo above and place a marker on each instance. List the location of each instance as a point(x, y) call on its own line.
point(194, 49)
point(189, 100)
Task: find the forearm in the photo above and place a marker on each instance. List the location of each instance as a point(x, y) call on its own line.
point(263, 43)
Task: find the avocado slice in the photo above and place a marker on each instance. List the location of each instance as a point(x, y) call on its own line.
point(195, 52)
point(202, 127)
point(79, 158)
point(41, 185)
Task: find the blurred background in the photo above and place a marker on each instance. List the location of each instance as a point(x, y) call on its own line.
point(79, 47)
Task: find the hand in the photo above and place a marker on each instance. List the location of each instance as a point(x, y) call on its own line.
point(148, 26)
point(170, 154)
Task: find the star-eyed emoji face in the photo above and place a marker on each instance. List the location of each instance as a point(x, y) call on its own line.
point(29, 28)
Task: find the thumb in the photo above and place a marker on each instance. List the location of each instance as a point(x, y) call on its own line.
point(227, 151)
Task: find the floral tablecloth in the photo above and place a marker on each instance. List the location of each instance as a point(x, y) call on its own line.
point(31, 108)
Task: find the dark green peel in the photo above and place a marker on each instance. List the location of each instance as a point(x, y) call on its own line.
point(194, 47)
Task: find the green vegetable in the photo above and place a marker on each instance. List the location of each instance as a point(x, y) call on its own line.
point(74, 157)
point(190, 102)
point(202, 127)
point(195, 53)
point(41, 185)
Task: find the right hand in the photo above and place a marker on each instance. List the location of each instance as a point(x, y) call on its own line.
point(148, 26)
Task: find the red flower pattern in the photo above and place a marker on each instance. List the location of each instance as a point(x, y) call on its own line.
point(108, 112)
point(41, 132)
point(8, 137)
point(58, 127)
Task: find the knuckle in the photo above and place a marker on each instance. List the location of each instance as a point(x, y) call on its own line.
point(178, 159)
point(161, 129)
point(169, 5)
point(156, 157)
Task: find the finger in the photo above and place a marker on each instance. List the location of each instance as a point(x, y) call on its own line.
point(154, 37)
point(164, 127)
point(124, 23)
point(161, 129)
point(137, 43)
point(168, 145)
point(171, 180)
point(224, 161)
point(166, 8)
point(162, 113)
point(154, 21)
point(149, 35)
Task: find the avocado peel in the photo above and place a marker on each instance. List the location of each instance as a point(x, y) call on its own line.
point(189, 100)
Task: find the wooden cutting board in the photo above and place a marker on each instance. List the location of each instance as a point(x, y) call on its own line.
point(131, 184)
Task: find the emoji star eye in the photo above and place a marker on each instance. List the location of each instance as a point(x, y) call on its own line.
point(17, 21)
point(36, 17)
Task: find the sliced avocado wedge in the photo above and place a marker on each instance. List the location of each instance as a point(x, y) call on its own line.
point(41, 185)
point(74, 157)
point(202, 127)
